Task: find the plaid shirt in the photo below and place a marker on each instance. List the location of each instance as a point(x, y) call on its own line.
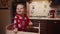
point(21, 22)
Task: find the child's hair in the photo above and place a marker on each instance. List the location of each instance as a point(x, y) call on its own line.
point(22, 3)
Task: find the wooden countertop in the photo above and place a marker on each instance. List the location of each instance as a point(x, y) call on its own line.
point(43, 18)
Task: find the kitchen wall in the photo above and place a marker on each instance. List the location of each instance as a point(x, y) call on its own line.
point(5, 17)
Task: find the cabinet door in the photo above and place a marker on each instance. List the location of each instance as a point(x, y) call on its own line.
point(43, 27)
point(53, 27)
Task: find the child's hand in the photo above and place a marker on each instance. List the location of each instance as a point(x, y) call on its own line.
point(30, 24)
point(15, 30)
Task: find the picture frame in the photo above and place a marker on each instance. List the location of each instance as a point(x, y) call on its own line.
point(3, 4)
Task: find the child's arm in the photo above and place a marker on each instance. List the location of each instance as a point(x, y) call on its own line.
point(29, 21)
point(30, 24)
point(15, 25)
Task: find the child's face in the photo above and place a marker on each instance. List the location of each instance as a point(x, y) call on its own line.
point(20, 9)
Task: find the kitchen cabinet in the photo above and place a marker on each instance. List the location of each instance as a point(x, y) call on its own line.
point(53, 27)
point(47, 25)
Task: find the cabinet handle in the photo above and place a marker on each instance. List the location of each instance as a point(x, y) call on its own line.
point(39, 21)
point(55, 22)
